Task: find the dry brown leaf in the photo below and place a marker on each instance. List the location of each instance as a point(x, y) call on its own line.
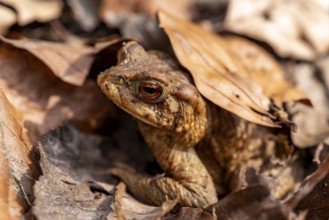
point(216, 70)
point(44, 99)
point(8, 18)
point(265, 71)
point(293, 28)
point(30, 10)
point(70, 63)
point(17, 170)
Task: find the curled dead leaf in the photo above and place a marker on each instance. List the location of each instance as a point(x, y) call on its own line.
point(17, 163)
point(222, 77)
point(70, 63)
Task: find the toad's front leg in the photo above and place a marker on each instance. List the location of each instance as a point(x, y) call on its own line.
point(186, 180)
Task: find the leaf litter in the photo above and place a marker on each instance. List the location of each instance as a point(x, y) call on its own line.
point(75, 183)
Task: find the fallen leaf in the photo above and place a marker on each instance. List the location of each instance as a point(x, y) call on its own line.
point(292, 28)
point(18, 168)
point(58, 196)
point(44, 99)
point(8, 18)
point(217, 71)
point(262, 69)
point(70, 63)
point(30, 10)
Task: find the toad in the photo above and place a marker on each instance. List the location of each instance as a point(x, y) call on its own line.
point(203, 149)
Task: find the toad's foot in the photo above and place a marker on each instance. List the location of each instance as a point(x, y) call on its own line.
point(156, 190)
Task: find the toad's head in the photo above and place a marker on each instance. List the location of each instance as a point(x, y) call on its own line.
point(151, 87)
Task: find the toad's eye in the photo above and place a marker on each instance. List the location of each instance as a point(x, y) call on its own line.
point(152, 92)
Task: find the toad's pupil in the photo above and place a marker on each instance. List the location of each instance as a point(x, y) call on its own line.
point(150, 90)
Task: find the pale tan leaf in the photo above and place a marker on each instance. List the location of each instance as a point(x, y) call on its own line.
point(8, 18)
point(292, 28)
point(216, 70)
point(35, 10)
